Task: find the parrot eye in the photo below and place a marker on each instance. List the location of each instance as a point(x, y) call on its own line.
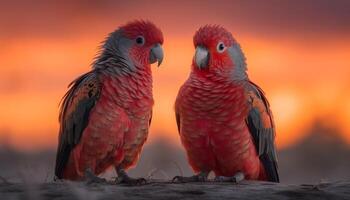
point(221, 47)
point(140, 40)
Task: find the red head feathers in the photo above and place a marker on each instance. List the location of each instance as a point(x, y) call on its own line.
point(210, 35)
point(148, 30)
point(218, 54)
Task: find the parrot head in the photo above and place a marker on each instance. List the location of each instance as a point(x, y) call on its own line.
point(147, 39)
point(218, 53)
point(137, 44)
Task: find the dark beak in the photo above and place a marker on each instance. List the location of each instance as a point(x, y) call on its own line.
point(201, 57)
point(156, 54)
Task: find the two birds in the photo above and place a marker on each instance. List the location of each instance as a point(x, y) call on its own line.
point(223, 118)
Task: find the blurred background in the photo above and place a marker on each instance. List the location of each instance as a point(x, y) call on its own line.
point(297, 51)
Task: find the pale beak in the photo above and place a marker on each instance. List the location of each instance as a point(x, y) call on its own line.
point(201, 57)
point(156, 54)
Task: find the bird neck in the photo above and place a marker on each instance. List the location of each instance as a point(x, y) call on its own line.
point(218, 75)
point(131, 85)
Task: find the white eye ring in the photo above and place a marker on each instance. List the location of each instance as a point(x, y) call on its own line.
point(140, 40)
point(221, 47)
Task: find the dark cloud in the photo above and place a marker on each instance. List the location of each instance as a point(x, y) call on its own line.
point(62, 18)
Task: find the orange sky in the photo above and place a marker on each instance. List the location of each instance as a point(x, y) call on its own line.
point(305, 74)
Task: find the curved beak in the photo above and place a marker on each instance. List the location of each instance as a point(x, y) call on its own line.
point(201, 57)
point(156, 54)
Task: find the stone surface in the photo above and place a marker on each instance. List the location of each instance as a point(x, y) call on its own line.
point(166, 190)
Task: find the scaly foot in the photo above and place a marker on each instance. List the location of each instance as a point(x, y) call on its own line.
point(90, 177)
point(201, 177)
point(238, 177)
point(123, 177)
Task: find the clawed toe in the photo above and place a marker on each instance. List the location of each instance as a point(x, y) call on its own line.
point(177, 179)
point(225, 179)
point(124, 178)
point(131, 181)
point(136, 181)
point(238, 177)
point(195, 178)
point(91, 178)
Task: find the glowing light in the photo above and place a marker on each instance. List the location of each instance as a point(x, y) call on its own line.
point(32, 86)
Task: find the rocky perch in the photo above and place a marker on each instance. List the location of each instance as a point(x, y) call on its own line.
point(166, 190)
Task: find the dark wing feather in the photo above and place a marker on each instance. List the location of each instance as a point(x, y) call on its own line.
point(150, 118)
point(74, 114)
point(177, 108)
point(261, 126)
point(177, 115)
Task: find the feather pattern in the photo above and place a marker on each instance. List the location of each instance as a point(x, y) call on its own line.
point(210, 115)
point(224, 120)
point(262, 129)
point(106, 113)
point(74, 115)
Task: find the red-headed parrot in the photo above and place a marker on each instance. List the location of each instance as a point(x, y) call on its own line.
point(106, 113)
point(223, 118)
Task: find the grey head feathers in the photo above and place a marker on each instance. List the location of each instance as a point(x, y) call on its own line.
point(237, 55)
point(113, 53)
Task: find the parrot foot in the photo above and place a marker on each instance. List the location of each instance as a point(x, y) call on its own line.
point(201, 177)
point(130, 181)
point(91, 178)
point(238, 177)
point(123, 177)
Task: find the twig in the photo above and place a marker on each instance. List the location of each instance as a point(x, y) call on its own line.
point(151, 173)
point(179, 168)
point(164, 174)
point(47, 174)
point(4, 180)
point(156, 170)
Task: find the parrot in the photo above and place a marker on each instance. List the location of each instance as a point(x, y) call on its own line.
point(223, 118)
point(106, 113)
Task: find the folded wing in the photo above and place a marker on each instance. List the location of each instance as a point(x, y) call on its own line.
point(74, 115)
point(261, 126)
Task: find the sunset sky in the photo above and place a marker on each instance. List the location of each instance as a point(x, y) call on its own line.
point(297, 51)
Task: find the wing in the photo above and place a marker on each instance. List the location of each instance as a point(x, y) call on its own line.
point(74, 114)
point(150, 118)
point(261, 126)
point(177, 115)
point(179, 97)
